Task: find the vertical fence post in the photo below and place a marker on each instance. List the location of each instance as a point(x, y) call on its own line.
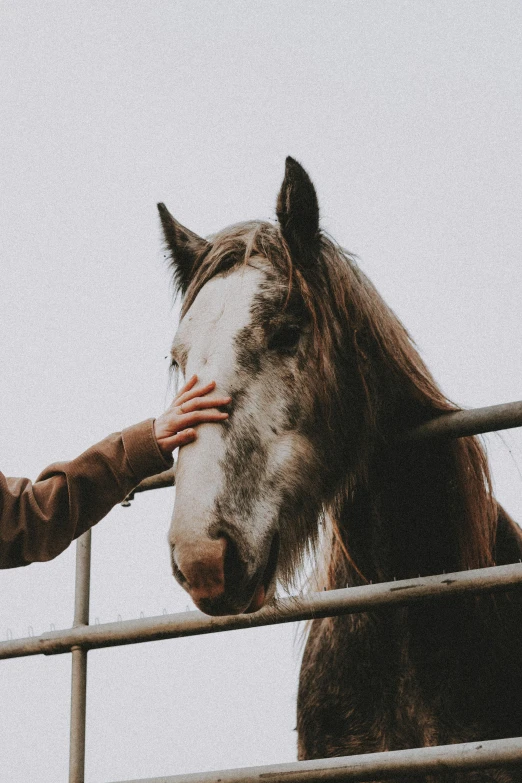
point(79, 661)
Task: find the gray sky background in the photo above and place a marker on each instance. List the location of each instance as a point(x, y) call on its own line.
point(407, 116)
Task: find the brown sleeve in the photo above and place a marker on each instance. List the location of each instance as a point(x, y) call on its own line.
point(38, 521)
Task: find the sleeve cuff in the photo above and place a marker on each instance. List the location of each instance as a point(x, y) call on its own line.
point(142, 450)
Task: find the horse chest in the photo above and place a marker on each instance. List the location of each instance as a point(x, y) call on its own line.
point(371, 683)
point(359, 690)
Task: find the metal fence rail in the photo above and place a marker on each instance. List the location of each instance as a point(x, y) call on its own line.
point(392, 764)
point(471, 422)
point(286, 610)
point(82, 637)
point(450, 425)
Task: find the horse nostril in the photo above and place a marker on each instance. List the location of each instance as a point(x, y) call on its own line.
point(199, 566)
point(234, 568)
point(176, 569)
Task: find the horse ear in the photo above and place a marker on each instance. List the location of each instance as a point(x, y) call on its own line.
point(186, 248)
point(298, 211)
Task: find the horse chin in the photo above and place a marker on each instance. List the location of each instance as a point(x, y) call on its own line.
point(261, 598)
point(223, 605)
point(218, 607)
point(258, 601)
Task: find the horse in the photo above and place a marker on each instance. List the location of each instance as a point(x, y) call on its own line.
point(324, 380)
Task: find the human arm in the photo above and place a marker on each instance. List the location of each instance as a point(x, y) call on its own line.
point(39, 520)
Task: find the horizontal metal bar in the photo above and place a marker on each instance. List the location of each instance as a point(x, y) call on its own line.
point(471, 422)
point(286, 610)
point(454, 425)
point(165, 479)
point(391, 764)
point(159, 481)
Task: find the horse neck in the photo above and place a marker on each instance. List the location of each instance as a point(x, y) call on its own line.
point(421, 508)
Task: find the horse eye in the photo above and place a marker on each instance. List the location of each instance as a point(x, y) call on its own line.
point(285, 339)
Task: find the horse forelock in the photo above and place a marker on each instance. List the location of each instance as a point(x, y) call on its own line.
point(322, 293)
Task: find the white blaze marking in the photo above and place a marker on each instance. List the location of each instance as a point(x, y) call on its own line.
point(207, 334)
point(219, 312)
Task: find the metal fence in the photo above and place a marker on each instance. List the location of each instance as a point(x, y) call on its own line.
point(82, 637)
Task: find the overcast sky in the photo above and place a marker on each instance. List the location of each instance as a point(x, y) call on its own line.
point(407, 115)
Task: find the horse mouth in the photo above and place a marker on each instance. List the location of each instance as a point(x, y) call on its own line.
point(238, 597)
point(260, 593)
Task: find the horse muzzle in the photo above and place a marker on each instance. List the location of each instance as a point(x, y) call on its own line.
point(213, 573)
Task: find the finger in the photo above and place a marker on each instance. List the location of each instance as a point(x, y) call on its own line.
point(201, 417)
point(198, 391)
point(180, 439)
point(189, 385)
point(185, 436)
point(199, 403)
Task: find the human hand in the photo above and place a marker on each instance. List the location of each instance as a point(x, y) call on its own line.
point(192, 405)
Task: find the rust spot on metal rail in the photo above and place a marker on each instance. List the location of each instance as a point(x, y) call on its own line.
point(402, 587)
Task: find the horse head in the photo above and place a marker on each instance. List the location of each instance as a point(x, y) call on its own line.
point(262, 307)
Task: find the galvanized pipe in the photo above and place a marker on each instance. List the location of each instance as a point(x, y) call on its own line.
point(161, 480)
point(471, 422)
point(449, 425)
point(78, 715)
point(369, 766)
point(79, 661)
point(286, 610)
